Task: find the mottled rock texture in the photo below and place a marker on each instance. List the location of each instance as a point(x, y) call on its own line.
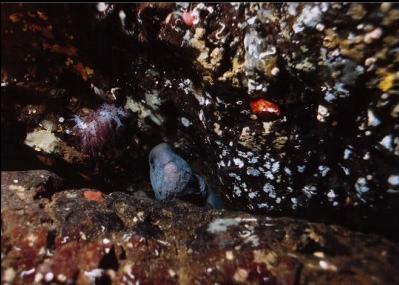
point(188, 74)
point(53, 235)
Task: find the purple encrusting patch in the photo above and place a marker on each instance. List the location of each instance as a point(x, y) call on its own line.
point(99, 127)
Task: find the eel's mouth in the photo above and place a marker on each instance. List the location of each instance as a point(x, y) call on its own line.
point(167, 163)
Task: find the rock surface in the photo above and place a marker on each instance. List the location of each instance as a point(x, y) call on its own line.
point(286, 110)
point(55, 235)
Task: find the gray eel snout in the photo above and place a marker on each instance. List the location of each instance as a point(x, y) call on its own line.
point(172, 177)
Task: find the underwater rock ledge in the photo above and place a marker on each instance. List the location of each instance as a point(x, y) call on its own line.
point(82, 236)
